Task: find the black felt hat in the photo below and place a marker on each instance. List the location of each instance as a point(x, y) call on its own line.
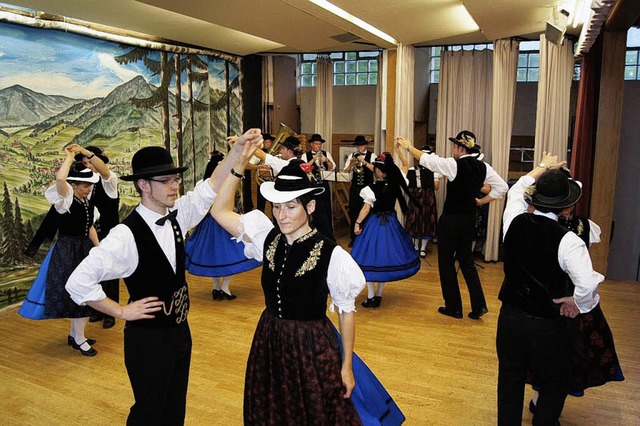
point(466, 139)
point(78, 172)
point(96, 151)
point(292, 182)
point(268, 137)
point(316, 137)
point(292, 143)
point(152, 161)
point(360, 140)
point(554, 190)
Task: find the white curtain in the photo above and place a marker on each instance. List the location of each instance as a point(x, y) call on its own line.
point(380, 123)
point(554, 90)
point(267, 94)
point(324, 100)
point(404, 113)
point(464, 102)
point(505, 69)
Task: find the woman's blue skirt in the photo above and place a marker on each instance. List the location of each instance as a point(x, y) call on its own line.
point(212, 253)
point(33, 306)
point(384, 251)
point(372, 401)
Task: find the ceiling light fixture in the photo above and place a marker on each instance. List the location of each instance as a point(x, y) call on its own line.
point(356, 21)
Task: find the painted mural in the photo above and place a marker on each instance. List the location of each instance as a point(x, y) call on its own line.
point(58, 88)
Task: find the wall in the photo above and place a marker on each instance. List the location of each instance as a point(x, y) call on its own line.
point(353, 109)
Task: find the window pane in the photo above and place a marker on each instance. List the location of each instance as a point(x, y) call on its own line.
point(306, 69)
point(529, 45)
point(362, 79)
point(306, 80)
point(350, 79)
point(435, 77)
point(338, 80)
point(436, 51)
point(522, 60)
point(313, 68)
point(630, 72)
point(313, 81)
point(338, 67)
point(576, 72)
point(309, 57)
point(351, 66)
point(363, 66)
point(532, 74)
point(436, 63)
point(522, 74)
point(373, 78)
point(632, 57)
point(534, 60)
point(351, 55)
point(369, 54)
point(336, 55)
point(373, 65)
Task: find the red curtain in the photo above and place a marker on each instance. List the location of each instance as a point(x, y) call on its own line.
point(584, 136)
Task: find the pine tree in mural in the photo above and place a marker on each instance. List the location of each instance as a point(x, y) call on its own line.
point(20, 232)
point(161, 95)
point(10, 250)
point(194, 75)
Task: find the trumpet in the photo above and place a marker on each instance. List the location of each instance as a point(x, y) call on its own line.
point(358, 167)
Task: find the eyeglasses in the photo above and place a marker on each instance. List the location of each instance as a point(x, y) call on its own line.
point(168, 181)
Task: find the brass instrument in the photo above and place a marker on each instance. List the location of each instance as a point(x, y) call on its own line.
point(320, 167)
point(358, 167)
point(283, 133)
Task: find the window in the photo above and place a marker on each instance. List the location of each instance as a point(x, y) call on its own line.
point(529, 61)
point(632, 58)
point(349, 69)
point(436, 53)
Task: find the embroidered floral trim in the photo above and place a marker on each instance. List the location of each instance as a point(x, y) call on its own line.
point(312, 260)
point(271, 252)
point(306, 236)
point(580, 229)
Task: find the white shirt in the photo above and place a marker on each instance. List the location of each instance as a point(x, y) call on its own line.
point(276, 163)
point(449, 167)
point(117, 255)
point(350, 159)
point(573, 256)
point(311, 154)
point(344, 278)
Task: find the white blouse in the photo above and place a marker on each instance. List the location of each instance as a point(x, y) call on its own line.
point(344, 278)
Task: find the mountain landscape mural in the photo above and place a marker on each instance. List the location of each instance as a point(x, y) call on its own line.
point(99, 93)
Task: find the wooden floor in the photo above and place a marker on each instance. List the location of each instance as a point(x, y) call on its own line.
point(441, 371)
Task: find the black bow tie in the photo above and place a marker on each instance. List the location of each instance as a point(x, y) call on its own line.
point(171, 217)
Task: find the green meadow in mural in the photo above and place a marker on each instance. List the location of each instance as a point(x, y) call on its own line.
point(58, 88)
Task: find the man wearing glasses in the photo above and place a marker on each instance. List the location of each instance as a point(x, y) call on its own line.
point(147, 250)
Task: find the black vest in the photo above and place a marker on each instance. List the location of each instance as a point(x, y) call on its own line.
point(463, 190)
point(533, 276)
point(426, 178)
point(294, 277)
point(154, 276)
point(78, 220)
point(108, 208)
point(579, 226)
point(366, 177)
point(385, 197)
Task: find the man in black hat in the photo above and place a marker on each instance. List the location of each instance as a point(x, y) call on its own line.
point(105, 198)
point(147, 250)
point(540, 256)
point(359, 164)
point(289, 149)
point(320, 161)
point(466, 176)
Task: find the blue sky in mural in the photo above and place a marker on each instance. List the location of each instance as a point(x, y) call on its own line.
point(59, 63)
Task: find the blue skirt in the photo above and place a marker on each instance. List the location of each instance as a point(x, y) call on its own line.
point(372, 401)
point(212, 253)
point(384, 251)
point(33, 306)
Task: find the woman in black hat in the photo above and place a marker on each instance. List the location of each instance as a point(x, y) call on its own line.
point(76, 236)
point(295, 374)
point(383, 250)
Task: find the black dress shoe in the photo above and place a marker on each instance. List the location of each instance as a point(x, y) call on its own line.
point(226, 296)
point(370, 303)
point(108, 322)
point(88, 352)
point(377, 300)
point(215, 294)
point(97, 317)
point(449, 312)
point(476, 315)
point(71, 341)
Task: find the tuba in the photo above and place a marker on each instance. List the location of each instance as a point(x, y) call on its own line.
point(283, 133)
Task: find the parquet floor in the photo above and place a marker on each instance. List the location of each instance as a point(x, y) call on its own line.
point(441, 371)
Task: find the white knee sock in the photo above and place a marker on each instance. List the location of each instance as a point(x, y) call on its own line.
point(225, 284)
point(424, 244)
point(77, 326)
point(216, 283)
point(370, 292)
point(380, 289)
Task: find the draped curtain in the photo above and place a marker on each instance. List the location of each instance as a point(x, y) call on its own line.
point(381, 104)
point(404, 113)
point(505, 68)
point(464, 102)
point(554, 90)
point(584, 135)
point(324, 100)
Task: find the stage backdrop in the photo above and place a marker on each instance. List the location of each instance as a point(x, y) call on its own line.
point(58, 88)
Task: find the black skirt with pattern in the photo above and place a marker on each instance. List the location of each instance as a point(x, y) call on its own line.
point(293, 375)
